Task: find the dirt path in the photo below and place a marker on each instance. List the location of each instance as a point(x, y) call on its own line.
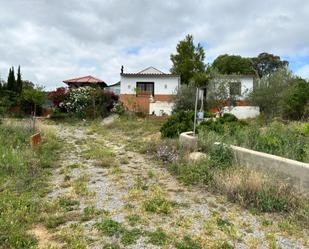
point(103, 195)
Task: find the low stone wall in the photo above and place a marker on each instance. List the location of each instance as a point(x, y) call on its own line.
point(289, 170)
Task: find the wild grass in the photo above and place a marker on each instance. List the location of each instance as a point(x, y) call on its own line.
point(73, 236)
point(286, 140)
point(135, 130)
point(23, 174)
point(156, 202)
point(257, 191)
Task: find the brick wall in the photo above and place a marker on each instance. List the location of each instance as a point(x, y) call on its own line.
point(140, 103)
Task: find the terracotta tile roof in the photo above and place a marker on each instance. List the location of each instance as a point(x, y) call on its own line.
point(85, 79)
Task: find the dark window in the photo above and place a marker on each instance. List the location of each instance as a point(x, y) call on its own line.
point(235, 88)
point(145, 88)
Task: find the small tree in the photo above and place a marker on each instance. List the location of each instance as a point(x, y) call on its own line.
point(36, 97)
point(218, 94)
point(269, 90)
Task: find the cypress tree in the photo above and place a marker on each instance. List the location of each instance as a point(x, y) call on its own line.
point(11, 84)
point(19, 83)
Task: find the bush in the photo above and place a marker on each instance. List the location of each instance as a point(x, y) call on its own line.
point(177, 123)
point(295, 100)
point(58, 115)
point(276, 138)
point(58, 96)
point(88, 102)
point(185, 98)
point(226, 122)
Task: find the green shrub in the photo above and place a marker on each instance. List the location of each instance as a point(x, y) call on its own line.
point(295, 99)
point(111, 246)
point(177, 123)
point(57, 115)
point(188, 243)
point(158, 237)
point(192, 173)
point(130, 236)
point(220, 125)
point(109, 227)
point(157, 204)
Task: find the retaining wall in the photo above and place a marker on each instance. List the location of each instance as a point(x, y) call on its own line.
point(289, 170)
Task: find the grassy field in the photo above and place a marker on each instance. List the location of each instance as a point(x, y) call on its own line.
point(256, 191)
point(23, 173)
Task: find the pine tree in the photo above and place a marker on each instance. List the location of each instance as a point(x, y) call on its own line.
point(188, 59)
point(19, 83)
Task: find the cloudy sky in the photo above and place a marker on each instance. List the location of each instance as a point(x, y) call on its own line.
point(60, 39)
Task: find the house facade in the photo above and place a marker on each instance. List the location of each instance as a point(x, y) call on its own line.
point(240, 86)
point(149, 91)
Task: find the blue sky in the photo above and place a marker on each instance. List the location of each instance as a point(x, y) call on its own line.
point(57, 40)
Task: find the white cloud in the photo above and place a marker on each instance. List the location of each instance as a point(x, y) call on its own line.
point(56, 40)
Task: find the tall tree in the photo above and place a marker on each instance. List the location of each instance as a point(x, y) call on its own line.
point(11, 83)
point(229, 64)
point(19, 83)
point(188, 60)
point(265, 64)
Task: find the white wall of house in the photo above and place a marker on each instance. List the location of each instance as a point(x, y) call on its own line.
point(243, 112)
point(162, 85)
point(246, 84)
point(160, 108)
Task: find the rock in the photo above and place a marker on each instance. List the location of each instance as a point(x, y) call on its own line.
point(197, 156)
point(110, 119)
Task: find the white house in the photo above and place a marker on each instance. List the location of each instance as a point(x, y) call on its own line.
point(240, 86)
point(149, 91)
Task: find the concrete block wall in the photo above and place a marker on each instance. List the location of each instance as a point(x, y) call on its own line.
point(294, 172)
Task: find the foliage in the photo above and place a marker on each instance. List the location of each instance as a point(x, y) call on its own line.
point(269, 91)
point(229, 64)
point(218, 94)
point(88, 102)
point(130, 236)
point(158, 237)
point(295, 99)
point(118, 108)
point(157, 202)
point(177, 123)
point(188, 243)
point(19, 82)
point(276, 138)
point(58, 96)
point(188, 60)
point(34, 97)
point(185, 98)
point(23, 174)
point(265, 64)
point(220, 124)
point(109, 227)
point(11, 82)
